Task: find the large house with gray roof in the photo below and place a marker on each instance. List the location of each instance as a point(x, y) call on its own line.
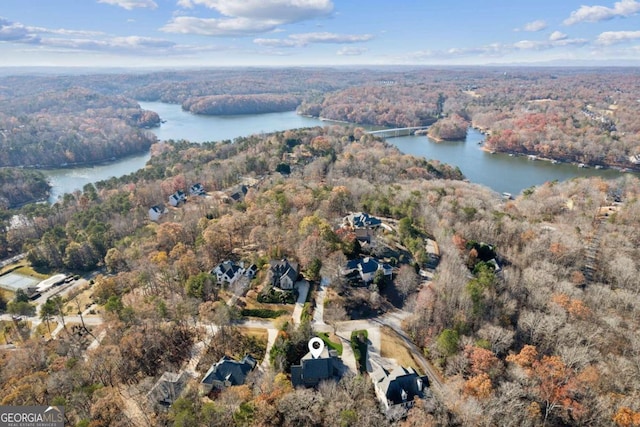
point(284, 274)
point(366, 268)
point(226, 373)
point(311, 371)
point(398, 389)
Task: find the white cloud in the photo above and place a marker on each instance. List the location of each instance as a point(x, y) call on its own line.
point(276, 42)
point(16, 32)
point(248, 16)
point(556, 36)
point(65, 32)
point(622, 8)
point(549, 44)
point(131, 4)
point(535, 26)
point(62, 38)
point(497, 50)
point(310, 38)
point(218, 27)
point(138, 45)
point(351, 51)
point(612, 37)
point(282, 10)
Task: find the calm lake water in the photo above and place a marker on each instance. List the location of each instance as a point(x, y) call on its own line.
point(500, 172)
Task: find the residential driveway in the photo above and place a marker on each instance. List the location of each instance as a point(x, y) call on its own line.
point(303, 290)
point(318, 312)
point(348, 358)
point(272, 335)
point(374, 351)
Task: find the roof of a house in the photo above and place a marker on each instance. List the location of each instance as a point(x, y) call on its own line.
point(227, 369)
point(362, 220)
point(312, 370)
point(393, 383)
point(158, 208)
point(229, 268)
point(353, 263)
point(285, 268)
point(238, 192)
point(368, 265)
point(169, 387)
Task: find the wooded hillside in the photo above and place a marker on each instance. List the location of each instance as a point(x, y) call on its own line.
point(530, 340)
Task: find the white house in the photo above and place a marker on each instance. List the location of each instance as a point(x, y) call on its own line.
point(197, 190)
point(155, 212)
point(228, 272)
point(176, 198)
point(367, 267)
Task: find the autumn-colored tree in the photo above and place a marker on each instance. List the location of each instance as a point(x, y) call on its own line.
point(525, 358)
point(482, 361)
point(626, 417)
point(478, 386)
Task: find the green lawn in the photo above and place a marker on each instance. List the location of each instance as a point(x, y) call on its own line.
point(359, 344)
point(337, 346)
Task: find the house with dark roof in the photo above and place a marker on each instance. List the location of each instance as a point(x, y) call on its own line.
point(362, 220)
point(251, 271)
point(178, 197)
point(228, 272)
point(168, 388)
point(363, 225)
point(366, 268)
point(226, 373)
point(237, 194)
point(398, 388)
point(197, 190)
point(311, 371)
point(156, 211)
point(284, 274)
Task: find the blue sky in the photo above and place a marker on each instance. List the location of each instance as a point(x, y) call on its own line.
point(185, 33)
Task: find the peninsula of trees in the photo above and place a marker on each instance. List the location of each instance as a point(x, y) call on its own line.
point(70, 127)
point(222, 105)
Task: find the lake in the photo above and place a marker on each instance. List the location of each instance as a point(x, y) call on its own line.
point(500, 172)
point(179, 125)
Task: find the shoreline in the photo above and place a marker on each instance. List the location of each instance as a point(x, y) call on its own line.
point(535, 157)
point(68, 166)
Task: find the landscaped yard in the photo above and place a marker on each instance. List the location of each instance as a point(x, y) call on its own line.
point(392, 347)
point(263, 313)
point(253, 304)
point(331, 341)
point(359, 342)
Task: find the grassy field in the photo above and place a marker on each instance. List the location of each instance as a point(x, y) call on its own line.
point(84, 298)
point(258, 333)
point(43, 331)
point(392, 347)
